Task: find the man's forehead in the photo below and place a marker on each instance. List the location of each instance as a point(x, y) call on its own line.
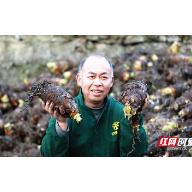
point(94, 60)
point(102, 73)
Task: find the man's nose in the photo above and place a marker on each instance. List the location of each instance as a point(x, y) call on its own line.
point(97, 81)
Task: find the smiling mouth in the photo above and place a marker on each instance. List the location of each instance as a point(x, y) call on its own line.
point(96, 91)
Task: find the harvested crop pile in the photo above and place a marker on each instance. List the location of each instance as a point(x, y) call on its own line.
point(166, 74)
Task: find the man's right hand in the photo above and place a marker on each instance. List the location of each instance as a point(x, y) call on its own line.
point(49, 107)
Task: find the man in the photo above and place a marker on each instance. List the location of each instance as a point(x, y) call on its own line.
point(103, 130)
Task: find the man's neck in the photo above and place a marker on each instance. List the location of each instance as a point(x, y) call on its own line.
point(95, 107)
point(96, 111)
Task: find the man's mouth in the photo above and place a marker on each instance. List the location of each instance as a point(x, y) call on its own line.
point(96, 91)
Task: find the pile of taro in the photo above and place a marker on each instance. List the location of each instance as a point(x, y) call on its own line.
point(168, 76)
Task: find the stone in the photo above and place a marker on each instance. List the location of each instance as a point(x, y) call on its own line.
point(90, 46)
point(101, 37)
point(151, 38)
point(162, 38)
point(130, 39)
point(92, 37)
point(172, 38)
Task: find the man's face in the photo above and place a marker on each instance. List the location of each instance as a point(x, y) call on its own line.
point(95, 81)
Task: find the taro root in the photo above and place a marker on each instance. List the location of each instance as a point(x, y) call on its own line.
point(2, 124)
point(174, 48)
point(187, 71)
point(37, 108)
point(3, 89)
point(155, 136)
point(113, 95)
point(72, 88)
point(33, 120)
point(186, 123)
point(187, 111)
point(41, 128)
point(186, 131)
point(58, 81)
point(13, 98)
point(186, 152)
point(175, 90)
point(8, 128)
point(170, 125)
point(5, 98)
point(139, 75)
point(133, 99)
point(173, 153)
point(140, 64)
point(62, 100)
point(5, 106)
point(153, 150)
point(117, 89)
point(7, 143)
point(24, 132)
point(149, 128)
point(173, 74)
point(183, 100)
point(61, 66)
point(170, 60)
point(70, 74)
point(122, 73)
point(18, 116)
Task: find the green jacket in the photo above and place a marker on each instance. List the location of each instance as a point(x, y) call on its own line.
point(108, 136)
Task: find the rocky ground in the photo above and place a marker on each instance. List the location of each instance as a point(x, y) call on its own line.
point(25, 56)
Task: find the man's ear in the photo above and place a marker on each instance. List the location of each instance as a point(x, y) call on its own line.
point(112, 81)
point(78, 77)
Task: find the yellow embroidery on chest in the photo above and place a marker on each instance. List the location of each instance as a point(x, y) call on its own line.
point(115, 126)
point(114, 133)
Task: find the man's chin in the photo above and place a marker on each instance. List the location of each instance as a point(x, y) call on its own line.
point(97, 100)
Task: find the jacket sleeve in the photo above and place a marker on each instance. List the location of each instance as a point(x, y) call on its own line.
point(53, 145)
point(126, 139)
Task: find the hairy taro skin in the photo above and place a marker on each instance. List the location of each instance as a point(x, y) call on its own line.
point(62, 100)
point(133, 99)
point(134, 95)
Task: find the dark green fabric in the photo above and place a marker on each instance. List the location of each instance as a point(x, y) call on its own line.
point(93, 137)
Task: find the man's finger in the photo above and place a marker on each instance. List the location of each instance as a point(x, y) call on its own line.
point(43, 104)
point(51, 106)
point(55, 113)
point(147, 99)
point(47, 105)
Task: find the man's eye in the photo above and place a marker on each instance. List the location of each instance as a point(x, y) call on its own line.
point(91, 77)
point(103, 77)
